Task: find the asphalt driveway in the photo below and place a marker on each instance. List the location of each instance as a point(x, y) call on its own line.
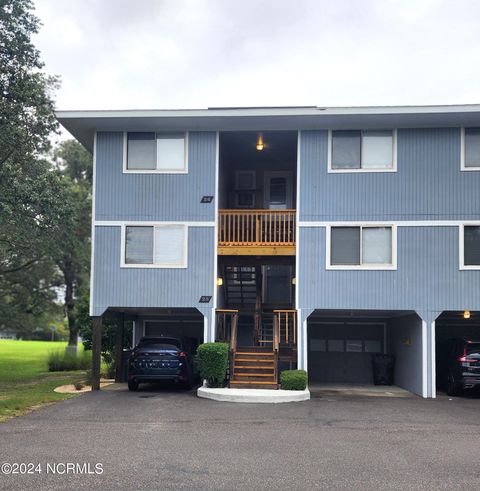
point(167, 439)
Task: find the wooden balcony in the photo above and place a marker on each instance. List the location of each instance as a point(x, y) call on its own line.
point(256, 232)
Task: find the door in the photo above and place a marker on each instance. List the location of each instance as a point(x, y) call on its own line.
point(278, 190)
point(277, 285)
point(342, 352)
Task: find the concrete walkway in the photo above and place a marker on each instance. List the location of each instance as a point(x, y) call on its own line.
point(253, 395)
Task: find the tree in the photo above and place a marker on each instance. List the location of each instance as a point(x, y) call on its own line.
point(109, 330)
point(33, 199)
point(26, 108)
point(72, 247)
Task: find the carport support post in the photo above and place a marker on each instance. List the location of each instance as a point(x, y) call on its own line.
point(119, 347)
point(96, 351)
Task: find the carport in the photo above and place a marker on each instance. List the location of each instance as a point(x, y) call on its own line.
point(452, 325)
point(187, 322)
point(172, 322)
point(341, 344)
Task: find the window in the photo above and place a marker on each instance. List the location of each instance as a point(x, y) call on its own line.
point(155, 152)
point(364, 247)
point(243, 274)
point(336, 345)
point(354, 346)
point(367, 151)
point(470, 149)
point(373, 346)
point(160, 246)
point(470, 236)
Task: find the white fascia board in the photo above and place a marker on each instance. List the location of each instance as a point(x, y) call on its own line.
point(119, 223)
point(398, 223)
point(266, 111)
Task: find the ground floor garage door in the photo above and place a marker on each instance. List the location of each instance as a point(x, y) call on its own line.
point(342, 352)
point(177, 324)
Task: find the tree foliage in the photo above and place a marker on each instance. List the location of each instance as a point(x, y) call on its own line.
point(26, 106)
point(34, 201)
point(109, 330)
point(71, 252)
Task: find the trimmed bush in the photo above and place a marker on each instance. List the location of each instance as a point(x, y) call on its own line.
point(64, 361)
point(293, 380)
point(213, 363)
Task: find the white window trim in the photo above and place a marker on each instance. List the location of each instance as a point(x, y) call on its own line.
point(362, 267)
point(126, 170)
point(461, 248)
point(123, 236)
point(331, 170)
point(462, 153)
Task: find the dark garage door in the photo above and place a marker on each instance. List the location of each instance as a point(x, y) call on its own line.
point(342, 352)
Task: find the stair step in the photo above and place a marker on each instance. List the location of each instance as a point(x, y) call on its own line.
point(253, 367)
point(257, 382)
point(255, 374)
point(254, 385)
point(262, 359)
point(256, 362)
point(254, 353)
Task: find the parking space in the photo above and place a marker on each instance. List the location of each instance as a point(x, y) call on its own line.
point(342, 344)
point(457, 352)
point(160, 438)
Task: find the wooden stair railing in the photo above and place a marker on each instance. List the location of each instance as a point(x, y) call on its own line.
point(286, 320)
point(276, 346)
point(256, 227)
point(225, 318)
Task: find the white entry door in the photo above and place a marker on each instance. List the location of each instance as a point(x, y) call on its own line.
point(278, 190)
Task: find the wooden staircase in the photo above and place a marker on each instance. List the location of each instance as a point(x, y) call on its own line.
point(253, 368)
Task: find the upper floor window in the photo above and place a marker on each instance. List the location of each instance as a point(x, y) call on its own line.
point(156, 152)
point(361, 247)
point(471, 247)
point(470, 148)
point(362, 151)
point(159, 246)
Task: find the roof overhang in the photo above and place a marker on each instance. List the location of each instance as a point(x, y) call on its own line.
point(83, 124)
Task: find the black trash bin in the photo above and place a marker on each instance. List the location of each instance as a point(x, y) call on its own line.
point(383, 369)
point(124, 370)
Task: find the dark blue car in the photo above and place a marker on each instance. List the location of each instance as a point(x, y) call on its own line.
point(163, 358)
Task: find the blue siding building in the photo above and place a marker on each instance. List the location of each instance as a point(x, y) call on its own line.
point(321, 235)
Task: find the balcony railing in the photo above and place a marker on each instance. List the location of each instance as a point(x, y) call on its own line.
point(256, 228)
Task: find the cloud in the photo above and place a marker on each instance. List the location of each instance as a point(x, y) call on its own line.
point(114, 54)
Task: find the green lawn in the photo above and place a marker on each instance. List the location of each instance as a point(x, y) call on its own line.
point(25, 381)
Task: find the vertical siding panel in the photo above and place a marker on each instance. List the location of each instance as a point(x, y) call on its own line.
point(122, 196)
point(136, 287)
point(427, 279)
point(427, 185)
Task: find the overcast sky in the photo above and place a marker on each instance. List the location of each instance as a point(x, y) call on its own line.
point(114, 54)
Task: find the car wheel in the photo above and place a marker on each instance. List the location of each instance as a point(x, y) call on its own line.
point(132, 385)
point(452, 387)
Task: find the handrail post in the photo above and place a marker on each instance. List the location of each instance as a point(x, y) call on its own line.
point(233, 336)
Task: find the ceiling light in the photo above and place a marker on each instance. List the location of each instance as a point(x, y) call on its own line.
point(260, 145)
point(219, 281)
point(466, 314)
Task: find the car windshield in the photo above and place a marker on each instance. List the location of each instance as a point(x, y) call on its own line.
point(158, 344)
point(473, 350)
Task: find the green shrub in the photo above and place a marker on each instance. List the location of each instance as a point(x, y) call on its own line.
point(293, 380)
point(88, 377)
point(213, 363)
point(63, 361)
point(109, 371)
